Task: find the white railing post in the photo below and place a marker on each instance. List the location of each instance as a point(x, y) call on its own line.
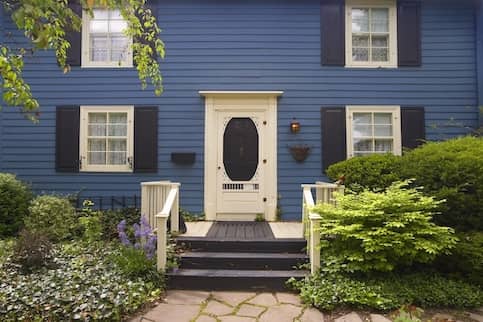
point(314, 243)
point(162, 241)
point(175, 210)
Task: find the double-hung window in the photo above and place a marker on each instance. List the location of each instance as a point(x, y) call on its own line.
point(104, 42)
point(371, 39)
point(373, 130)
point(106, 138)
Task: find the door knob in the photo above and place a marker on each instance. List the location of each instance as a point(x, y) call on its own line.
point(219, 167)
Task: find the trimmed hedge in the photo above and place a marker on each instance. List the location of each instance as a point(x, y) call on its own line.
point(14, 201)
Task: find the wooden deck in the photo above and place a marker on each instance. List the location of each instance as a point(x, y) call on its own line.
point(244, 230)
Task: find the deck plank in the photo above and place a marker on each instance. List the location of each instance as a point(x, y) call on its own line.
point(240, 230)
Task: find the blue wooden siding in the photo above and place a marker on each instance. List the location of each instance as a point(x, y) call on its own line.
point(246, 45)
point(479, 42)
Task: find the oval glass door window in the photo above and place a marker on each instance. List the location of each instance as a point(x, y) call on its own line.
point(240, 149)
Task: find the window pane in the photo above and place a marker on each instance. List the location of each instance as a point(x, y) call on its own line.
point(118, 158)
point(362, 130)
point(383, 146)
point(117, 124)
point(360, 20)
point(100, 13)
point(98, 26)
point(96, 158)
point(117, 145)
point(360, 41)
point(383, 130)
point(380, 20)
point(99, 50)
point(382, 118)
point(119, 47)
point(115, 14)
point(360, 54)
point(363, 145)
point(117, 26)
point(380, 54)
point(364, 118)
point(380, 41)
point(97, 124)
point(96, 145)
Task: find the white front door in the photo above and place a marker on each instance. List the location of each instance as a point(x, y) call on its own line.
point(240, 176)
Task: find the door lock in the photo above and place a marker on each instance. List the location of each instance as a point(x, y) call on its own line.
point(264, 199)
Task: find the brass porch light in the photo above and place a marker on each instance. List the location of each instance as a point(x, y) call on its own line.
point(294, 126)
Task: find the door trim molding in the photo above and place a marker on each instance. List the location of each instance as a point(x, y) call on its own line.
point(243, 101)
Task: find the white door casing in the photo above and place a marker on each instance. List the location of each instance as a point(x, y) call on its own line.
point(231, 200)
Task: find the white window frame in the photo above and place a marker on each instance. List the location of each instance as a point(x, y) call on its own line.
point(83, 136)
point(389, 4)
point(85, 47)
point(395, 110)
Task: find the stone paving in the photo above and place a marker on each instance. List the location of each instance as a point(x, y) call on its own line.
point(198, 306)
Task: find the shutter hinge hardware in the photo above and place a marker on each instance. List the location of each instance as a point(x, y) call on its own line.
point(80, 162)
point(130, 162)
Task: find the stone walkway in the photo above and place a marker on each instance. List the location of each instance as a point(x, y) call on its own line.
point(197, 306)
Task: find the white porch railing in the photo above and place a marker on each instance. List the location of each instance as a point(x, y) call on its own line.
point(160, 201)
point(324, 193)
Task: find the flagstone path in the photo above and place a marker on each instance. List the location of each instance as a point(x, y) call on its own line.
point(197, 306)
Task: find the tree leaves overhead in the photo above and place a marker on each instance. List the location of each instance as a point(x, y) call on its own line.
point(45, 22)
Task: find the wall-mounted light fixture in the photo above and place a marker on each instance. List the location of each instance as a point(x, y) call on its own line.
point(294, 126)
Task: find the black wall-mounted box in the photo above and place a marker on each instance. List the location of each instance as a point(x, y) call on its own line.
point(184, 158)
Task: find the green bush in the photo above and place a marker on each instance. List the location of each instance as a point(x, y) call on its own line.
point(90, 223)
point(111, 218)
point(377, 171)
point(84, 285)
point(133, 263)
point(466, 259)
point(51, 215)
point(381, 231)
point(32, 250)
point(451, 170)
point(387, 291)
point(14, 201)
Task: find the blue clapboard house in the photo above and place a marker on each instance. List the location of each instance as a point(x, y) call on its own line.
point(260, 96)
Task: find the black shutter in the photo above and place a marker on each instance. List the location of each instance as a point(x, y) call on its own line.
point(74, 37)
point(67, 139)
point(334, 147)
point(332, 32)
point(145, 139)
point(409, 32)
point(412, 127)
point(154, 11)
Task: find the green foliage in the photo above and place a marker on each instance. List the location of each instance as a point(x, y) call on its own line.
point(51, 215)
point(408, 313)
point(380, 231)
point(387, 291)
point(84, 285)
point(90, 222)
point(260, 218)
point(14, 201)
point(451, 170)
point(45, 22)
point(377, 171)
point(6, 249)
point(110, 219)
point(190, 216)
point(466, 259)
point(32, 250)
point(133, 263)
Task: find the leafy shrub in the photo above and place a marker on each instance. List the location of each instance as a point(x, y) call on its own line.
point(137, 259)
point(451, 170)
point(379, 231)
point(84, 285)
point(377, 171)
point(407, 313)
point(90, 223)
point(51, 215)
point(32, 250)
point(387, 291)
point(111, 218)
point(466, 259)
point(14, 201)
point(190, 216)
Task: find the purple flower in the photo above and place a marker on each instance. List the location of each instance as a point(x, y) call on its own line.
point(121, 230)
point(145, 239)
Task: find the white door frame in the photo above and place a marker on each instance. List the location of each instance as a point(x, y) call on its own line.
point(241, 101)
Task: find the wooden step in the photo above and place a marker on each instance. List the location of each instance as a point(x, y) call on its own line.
point(245, 261)
point(202, 244)
point(221, 279)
